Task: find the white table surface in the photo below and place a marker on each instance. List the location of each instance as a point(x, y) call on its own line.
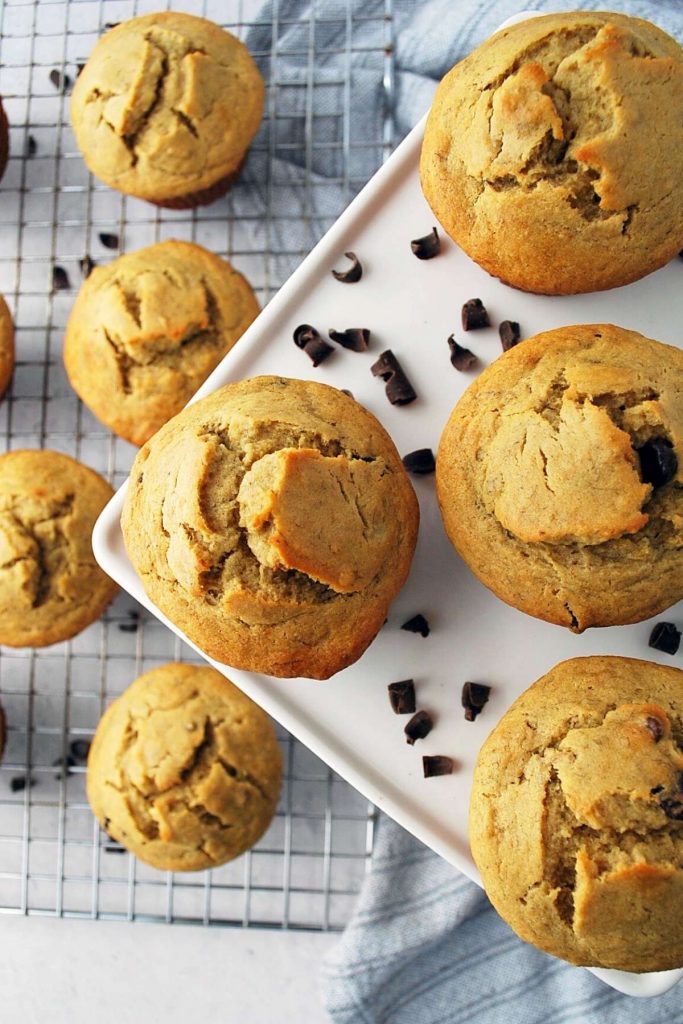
point(113, 973)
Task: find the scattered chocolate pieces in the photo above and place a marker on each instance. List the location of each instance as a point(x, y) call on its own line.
point(474, 697)
point(402, 696)
point(31, 146)
point(60, 279)
point(356, 339)
point(665, 637)
point(428, 247)
point(87, 265)
point(418, 624)
point(353, 274)
point(60, 80)
point(308, 339)
point(658, 462)
point(398, 389)
point(79, 750)
point(657, 789)
point(510, 334)
point(419, 726)
point(109, 241)
point(20, 782)
point(114, 847)
point(437, 764)
point(79, 67)
point(673, 808)
point(111, 24)
point(345, 391)
point(65, 764)
point(132, 626)
point(474, 315)
point(420, 462)
point(655, 727)
point(461, 357)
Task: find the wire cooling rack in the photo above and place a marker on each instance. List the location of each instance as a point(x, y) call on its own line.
point(54, 860)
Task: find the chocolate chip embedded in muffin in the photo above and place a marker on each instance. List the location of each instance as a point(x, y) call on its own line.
point(553, 154)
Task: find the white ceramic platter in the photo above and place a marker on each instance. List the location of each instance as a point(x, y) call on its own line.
point(411, 307)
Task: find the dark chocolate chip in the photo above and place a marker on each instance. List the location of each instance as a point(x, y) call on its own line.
point(109, 241)
point(510, 334)
point(398, 389)
point(114, 848)
point(655, 727)
point(60, 80)
point(345, 391)
point(79, 67)
point(402, 696)
point(20, 782)
point(356, 339)
point(421, 461)
point(419, 726)
point(87, 265)
point(461, 357)
point(418, 624)
point(474, 315)
point(79, 750)
point(657, 789)
point(428, 247)
point(658, 462)
point(665, 637)
point(60, 279)
point(31, 146)
point(111, 24)
point(353, 274)
point(65, 764)
point(673, 808)
point(437, 764)
point(679, 781)
point(128, 627)
point(308, 339)
point(473, 698)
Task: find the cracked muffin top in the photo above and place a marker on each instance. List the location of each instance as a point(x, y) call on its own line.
point(273, 522)
point(166, 107)
point(576, 814)
point(51, 587)
point(146, 331)
point(553, 154)
point(559, 476)
point(184, 770)
point(6, 346)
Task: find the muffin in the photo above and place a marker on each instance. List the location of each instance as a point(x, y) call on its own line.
point(50, 584)
point(4, 139)
point(166, 108)
point(3, 731)
point(553, 154)
point(576, 814)
point(148, 329)
point(559, 476)
point(6, 346)
point(184, 769)
point(273, 522)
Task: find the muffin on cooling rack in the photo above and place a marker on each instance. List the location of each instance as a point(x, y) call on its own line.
point(576, 814)
point(553, 154)
point(6, 346)
point(184, 770)
point(273, 522)
point(166, 108)
point(559, 476)
point(148, 329)
point(4, 139)
point(50, 584)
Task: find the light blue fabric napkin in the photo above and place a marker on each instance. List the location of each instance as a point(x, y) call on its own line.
point(425, 945)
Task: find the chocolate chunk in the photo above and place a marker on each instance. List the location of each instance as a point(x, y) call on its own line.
point(665, 637)
point(418, 624)
point(20, 782)
point(60, 80)
point(461, 357)
point(657, 789)
point(658, 462)
point(345, 391)
point(399, 390)
point(428, 247)
point(308, 339)
point(354, 338)
point(78, 750)
point(474, 315)
point(114, 847)
point(109, 241)
point(65, 764)
point(509, 334)
point(110, 24)
point(402, 696)
point(474, 697)
point(60, 279)
point(87, 265)
point(353, 274)
point(420, 462)
point(419, 726)
point(655, 727)
point(673, 808)
point(31, 146)
point(437, 764)
point(79, 67)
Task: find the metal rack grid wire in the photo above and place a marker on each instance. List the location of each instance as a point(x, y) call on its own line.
point(307, 161)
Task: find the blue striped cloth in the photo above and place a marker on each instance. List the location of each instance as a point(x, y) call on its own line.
point(425, 945)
